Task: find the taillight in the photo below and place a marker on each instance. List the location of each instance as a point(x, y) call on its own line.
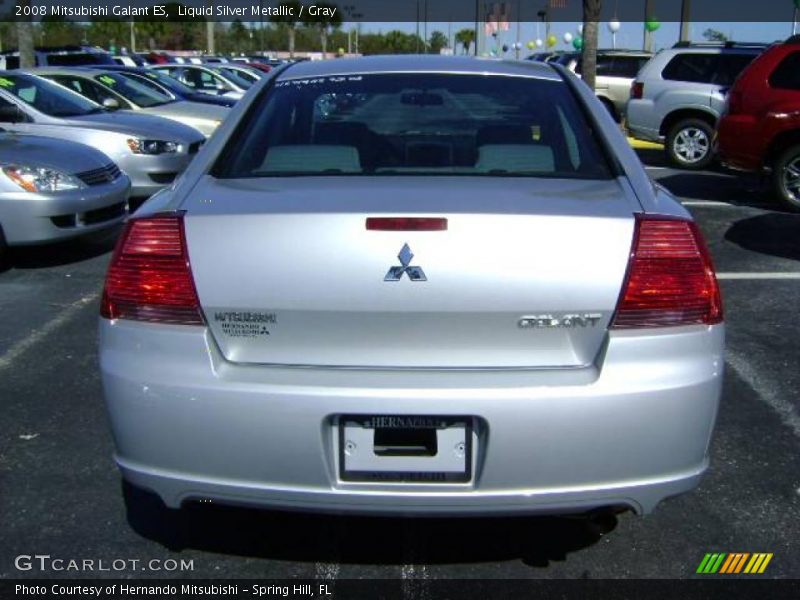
point(670, 279)
point(150, 278)
point(637, 90)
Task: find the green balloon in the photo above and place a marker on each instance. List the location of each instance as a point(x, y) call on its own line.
point(652, 24)
point(577, 43)
point(552, 41)
point(531, 45)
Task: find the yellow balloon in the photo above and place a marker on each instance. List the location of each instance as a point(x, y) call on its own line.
point(552, 41)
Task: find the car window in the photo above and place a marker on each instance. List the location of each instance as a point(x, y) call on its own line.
point(420, 124)
point(48, 97)
point(786, 75)
point(132, 90)
point(234, 77)
point(627, 66)
point(76, 59)
point(84, 87)
point(729, 68)
point(696, 68)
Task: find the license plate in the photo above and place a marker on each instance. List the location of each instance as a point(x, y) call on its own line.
point(405, 449)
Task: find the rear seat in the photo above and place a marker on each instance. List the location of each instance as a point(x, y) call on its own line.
point(312, 158)
point(515, 157)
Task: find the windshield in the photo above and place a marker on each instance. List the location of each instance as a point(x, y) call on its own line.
point(48, 98)
point(168, 82)
point(420, 124)
point(245, 74)
point(233, 77)
point(139, 93)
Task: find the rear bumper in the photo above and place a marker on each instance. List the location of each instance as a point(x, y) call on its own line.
point(29, 218)
point(189, 425)
point(642, 121)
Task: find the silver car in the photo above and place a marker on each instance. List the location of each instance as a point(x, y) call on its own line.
point(207, 79)
point(116, 90)
point(152, 151)
point(52, 190)
point(453, 291)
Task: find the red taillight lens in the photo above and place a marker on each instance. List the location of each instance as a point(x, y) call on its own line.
point(406, 224)
point(671, 278)
point(150, 278)
point(637, 90)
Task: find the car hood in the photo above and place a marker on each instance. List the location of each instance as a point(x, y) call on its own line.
point(61, 155)
point(192, 110)
point(148, 126)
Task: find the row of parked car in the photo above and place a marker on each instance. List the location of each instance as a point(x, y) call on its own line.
point(736, 102)
point(83, 144)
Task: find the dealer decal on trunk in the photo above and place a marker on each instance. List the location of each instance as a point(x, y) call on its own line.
point(245, 324)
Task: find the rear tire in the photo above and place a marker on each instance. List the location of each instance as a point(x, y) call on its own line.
point(611, 109)
point(786, 178)
point(3, 251)
point(689, 144)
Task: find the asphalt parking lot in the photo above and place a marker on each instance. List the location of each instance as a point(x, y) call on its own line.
point(60, 493)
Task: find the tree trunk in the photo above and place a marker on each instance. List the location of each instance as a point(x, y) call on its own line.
point(210, 45)
point(591, 18)
point(27, 59)
point(323, 36)
point(291, 42)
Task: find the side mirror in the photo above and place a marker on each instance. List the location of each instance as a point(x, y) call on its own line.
point(12, 113)
point(111, 103)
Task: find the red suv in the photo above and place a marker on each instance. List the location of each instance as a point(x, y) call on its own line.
point(761, 128)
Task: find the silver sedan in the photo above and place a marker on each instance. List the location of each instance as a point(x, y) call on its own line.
point(115, 90)
point(151, 150)
point(52, 190)
point(431, 285)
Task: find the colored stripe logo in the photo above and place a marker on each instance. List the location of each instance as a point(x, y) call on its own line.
point(734, 563)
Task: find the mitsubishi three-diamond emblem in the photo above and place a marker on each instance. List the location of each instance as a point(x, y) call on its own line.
point(414, 273)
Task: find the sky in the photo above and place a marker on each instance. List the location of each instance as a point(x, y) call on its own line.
point(630, 35)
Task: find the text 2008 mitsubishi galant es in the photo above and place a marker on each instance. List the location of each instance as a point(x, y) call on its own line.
point(426, 285)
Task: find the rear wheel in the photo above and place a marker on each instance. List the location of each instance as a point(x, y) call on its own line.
point(786, 178)
point(689, 144)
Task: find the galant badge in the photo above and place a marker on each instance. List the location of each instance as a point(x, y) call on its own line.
point(414, 273)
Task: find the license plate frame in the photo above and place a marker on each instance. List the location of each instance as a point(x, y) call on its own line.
point(446, 467)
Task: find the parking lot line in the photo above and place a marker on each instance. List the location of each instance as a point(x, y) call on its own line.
point(765, 390)
point(759, 276)
point(22, 346)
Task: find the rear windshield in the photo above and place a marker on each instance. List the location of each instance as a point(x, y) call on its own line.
point(420, 124)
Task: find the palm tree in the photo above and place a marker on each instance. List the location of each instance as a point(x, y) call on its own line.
point(289, 22)
point(325, 24)
point(25, 40)
point(465, 37)
point(591, 18)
